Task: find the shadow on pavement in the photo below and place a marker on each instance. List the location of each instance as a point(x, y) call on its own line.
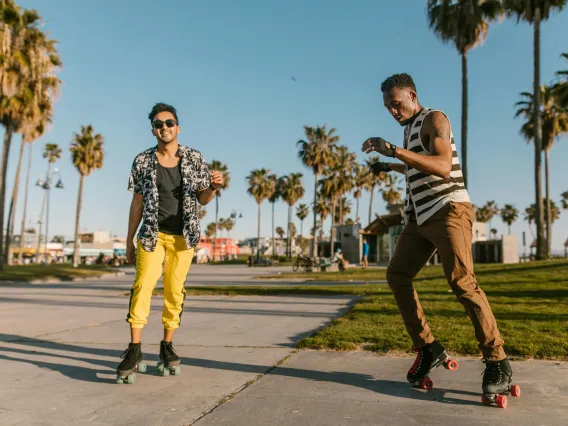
point(63, 352)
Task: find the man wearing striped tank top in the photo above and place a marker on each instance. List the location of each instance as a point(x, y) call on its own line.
point(438, 215)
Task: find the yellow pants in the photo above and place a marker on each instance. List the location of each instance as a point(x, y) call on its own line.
point(172, 254)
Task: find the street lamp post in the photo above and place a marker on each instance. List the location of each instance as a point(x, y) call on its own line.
point(47, 187)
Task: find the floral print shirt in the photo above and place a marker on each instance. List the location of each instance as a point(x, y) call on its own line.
point(142, 180)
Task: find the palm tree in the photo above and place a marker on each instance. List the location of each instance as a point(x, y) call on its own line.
point(27, 80)
point(564, 200)
point(201, 211)
point(302, 212)
point(483, 215)
point(465, 24)
point(330, 189)
point(280, 232)
point(530, 215)
point(291, 190)
point(210, 229)
point(372, 182)
point(345, 162)
point(276, 194)
point(52, 153)
point(391, 192)
point(509, 214)
point(345, 209)
point(34, 126)
point(316, 153)
point(533, 12)
point(361, 177)
point(87, 155)
point(492, 211)
point(562, 86)
point(260, 187)
point(228, 224)
point(554, 122)
point(220, 167)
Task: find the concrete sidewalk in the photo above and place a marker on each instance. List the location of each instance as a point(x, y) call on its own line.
point(326, 388)
point(60, 347)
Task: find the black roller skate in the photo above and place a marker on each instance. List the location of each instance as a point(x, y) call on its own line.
point(132, 362)
point(427, 358)
point(497, 379)
point(169, 361)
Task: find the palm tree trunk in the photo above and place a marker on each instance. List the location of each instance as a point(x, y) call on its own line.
point(357, 209)
point(371, 203)
point(464, 119)
point(216, 226)
point(5, 155)
point(332, 233)
point(23, 230)
point(540, 241)
point(77, 219)
point(273, 239)
point(548, 212)
point(341, 210)
point(288, 241)
point(42, 211)
point(509, 229)
point(12, 211)
point(314, 251)
point(258, 236)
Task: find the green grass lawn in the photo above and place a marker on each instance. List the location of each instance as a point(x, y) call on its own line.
point(59, 271)
point(529, 300)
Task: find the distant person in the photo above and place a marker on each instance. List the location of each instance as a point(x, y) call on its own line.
point(438, 215)
point(167, 181)
point(365, 258)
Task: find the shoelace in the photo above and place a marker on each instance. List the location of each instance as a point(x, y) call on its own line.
point(127, 351)
point(492, 371)
point(417, 362)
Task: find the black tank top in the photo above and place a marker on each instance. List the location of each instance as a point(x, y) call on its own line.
point(170, 204)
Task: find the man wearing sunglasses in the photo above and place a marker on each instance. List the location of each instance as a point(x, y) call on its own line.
point(167, 181)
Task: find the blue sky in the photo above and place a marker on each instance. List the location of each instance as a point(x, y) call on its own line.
point(227, 67)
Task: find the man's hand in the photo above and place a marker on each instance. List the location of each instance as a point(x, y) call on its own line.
point(216, 179)
point(379, 145)
point(379, 167)
point(130, 252)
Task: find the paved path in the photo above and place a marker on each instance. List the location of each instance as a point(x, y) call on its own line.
point(60, 345)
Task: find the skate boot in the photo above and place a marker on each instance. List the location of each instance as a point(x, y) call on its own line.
point(497, 379)
point(427, 358)
point(169, 361)
point(132, 362)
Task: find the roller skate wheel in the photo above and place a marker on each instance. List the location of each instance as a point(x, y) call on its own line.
point(119, 380)
point(485, 400)
point(177, 370)
point(131, 379)
point(501, 401)
point(160, 367)
point(165, 372)
point(451, 365)
point(426, 383)
point(515, 391)
point(142, 368)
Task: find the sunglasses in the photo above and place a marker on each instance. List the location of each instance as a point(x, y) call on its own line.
point(158, 124)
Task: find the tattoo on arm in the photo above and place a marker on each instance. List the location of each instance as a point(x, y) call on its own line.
point(440, 125)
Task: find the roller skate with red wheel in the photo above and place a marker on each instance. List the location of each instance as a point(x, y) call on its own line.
point(130, 365)
point(427, 358)
point(497, 380)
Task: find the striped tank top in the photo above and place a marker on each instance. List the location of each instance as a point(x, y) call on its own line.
point(426, 194)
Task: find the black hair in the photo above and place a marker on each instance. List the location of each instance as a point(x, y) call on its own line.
point(399, 81)
point(161, 107)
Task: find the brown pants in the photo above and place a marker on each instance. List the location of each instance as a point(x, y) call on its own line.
point(448, 231)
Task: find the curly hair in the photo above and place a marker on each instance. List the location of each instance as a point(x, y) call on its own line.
point(399, 81)
point(161, 107)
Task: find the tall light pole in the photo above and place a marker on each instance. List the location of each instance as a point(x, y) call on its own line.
point(46, 185)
